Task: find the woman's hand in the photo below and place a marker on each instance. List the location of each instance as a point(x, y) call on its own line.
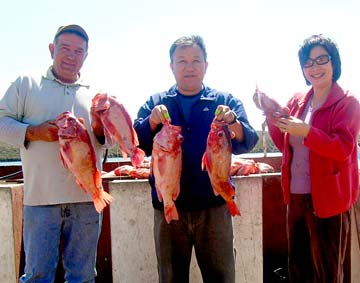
point(293, 126)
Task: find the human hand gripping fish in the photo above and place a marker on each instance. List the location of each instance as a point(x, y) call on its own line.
point(159, 115)
point(116, 121)
point(217, 161)
point(78, 156)
point(166, 165)
point(270, 107)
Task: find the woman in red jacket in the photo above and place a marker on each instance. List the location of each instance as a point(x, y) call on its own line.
point(319, 165)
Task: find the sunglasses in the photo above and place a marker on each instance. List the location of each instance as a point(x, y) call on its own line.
point(320, 60)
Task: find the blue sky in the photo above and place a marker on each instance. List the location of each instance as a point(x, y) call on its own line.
point(248, 42)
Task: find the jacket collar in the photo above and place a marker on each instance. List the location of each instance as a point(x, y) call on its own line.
point(206, 94)
point(336, 93)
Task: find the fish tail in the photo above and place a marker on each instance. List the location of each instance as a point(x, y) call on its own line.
point(234, 210)
point(101, 200)
point(171, 213)
point(138, 157)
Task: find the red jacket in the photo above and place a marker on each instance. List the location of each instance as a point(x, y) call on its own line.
point(332, 143)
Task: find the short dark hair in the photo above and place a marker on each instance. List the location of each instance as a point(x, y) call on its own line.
point(190, 40)
point(75, 29)
point(330, 47)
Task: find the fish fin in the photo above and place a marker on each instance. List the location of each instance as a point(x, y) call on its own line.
point(159, 194)
point(171, 213)
point(124, 154)
point(101, 200)
point(138, 157)
point(106, 197)
point(98, 180)
point(215, 192)
point(222, 188)
point(98, 203)
point(108, 137)
point(176, 193)
point(233, 208)
point(225, 189)
point(203, 162)
point(63, 161)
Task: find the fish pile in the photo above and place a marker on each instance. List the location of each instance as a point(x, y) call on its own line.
point(133, 172)
point(245, 167)
point(166, 162)
point(217, 161)
point(78, 156)
point(269, 105)
point(118, 125)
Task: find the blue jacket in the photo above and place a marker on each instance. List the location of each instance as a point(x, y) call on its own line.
point(196, 192)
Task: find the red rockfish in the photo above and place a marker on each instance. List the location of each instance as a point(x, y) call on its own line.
point(269, 105)
point(166, 162)
point(117, 124)
point(217, 162)
point(78, 156)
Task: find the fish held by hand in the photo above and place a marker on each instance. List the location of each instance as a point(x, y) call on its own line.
point(269, 106)
point(166, 164)
point(78, 156)
point(118, 125)
point(217, 161)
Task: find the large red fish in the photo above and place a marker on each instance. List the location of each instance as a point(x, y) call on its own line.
point(217, 161)
point(166, 162)
point(269, 105)
point(78, 155)
point(117, 123)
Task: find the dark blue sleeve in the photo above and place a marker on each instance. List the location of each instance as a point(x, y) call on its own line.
point(250, 135)
point(142, 125)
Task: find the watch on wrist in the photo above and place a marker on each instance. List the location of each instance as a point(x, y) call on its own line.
point(235, 118)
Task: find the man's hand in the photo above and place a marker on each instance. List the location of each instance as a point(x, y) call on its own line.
point(46, 131)
point(224, 113)
point(159, 115)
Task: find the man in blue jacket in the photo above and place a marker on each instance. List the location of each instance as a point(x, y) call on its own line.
point(204, 220)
